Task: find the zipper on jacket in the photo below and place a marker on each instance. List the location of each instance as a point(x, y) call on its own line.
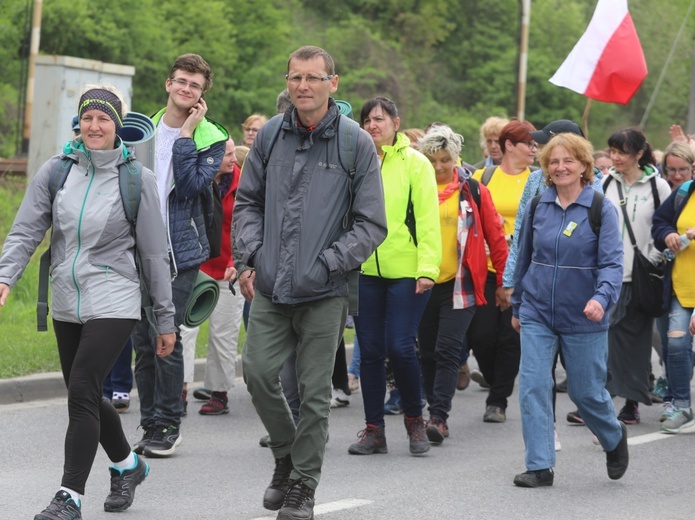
point(79, 237)
point(557, 253)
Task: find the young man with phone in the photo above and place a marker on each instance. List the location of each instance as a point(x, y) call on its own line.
point(189, 151)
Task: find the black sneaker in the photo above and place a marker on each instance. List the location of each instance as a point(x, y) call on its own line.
point(299, 502)
point(618, 459)
point(62, 507)
point(263, 441)
point(575, 418)
point(164, 441)
point(139, 447)
point(537, 478)
point(629, 414)
point(123, 484)
point(274, 496)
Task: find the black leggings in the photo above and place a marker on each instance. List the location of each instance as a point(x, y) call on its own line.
point(87, 354)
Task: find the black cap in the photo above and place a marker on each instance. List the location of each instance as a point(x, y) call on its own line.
point(561, 126)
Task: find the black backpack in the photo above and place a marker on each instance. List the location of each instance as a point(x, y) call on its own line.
point(594, 211)
point(213, 214)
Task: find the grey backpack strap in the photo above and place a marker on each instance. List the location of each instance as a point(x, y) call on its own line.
point(487, 174)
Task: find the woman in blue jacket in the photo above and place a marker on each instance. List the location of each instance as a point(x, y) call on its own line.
point(567, 277)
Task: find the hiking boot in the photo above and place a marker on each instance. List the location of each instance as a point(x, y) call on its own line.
point(164, 441)
point(62, 507)
point(372, 440)
point(575, 418)
point(299, 502)
point(659, 391)
point(415, 427)
point(274, 495)
point(494, 414)
point(666, 409)
point(339, 398)
point(393, 405)
point(478, 377)
point(533, 479)
point(437, 430)
point(617, 460)
point(464, 378)
point(184, 399)
point(123, 484)
point(629, 414)
point(139, 447)
point(202, 394)
point(678, 419)
point(216, 405)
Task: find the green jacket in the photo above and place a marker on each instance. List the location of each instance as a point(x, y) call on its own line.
point(405, 170)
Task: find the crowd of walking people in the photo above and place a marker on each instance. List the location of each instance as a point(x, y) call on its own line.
point(530, 257)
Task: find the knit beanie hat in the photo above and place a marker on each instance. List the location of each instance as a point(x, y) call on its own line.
point(103, 100)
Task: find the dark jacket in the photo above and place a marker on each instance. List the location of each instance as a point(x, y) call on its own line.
point(557, 274)
point(664, 222)
point(196, 162)
point(289, 217)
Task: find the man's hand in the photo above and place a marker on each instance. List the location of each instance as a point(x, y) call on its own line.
point(422, 285)
point(165, 344)
point(4, 293)
point(195, 115)
point(246, 281)
point(593, 310)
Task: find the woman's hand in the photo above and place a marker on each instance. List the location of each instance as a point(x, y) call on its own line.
point(692, 325)
point(516, 324)
point(503, 297)
point(165, 344)
point(423, 284)
point(4, 293)
point(593, 310)
point(690, 233)
point(229, 273)
point(673, 242)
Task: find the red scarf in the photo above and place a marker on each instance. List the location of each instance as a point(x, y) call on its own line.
point(449, 190)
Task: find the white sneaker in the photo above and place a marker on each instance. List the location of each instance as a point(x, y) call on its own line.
point(558, 446)
point(339, 398)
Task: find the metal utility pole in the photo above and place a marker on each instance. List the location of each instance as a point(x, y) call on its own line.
point(523, 59)
point(33, 52)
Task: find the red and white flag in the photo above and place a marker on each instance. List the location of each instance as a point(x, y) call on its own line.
point(607, 63)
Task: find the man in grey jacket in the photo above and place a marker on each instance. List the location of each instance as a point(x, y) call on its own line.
point(302, 223)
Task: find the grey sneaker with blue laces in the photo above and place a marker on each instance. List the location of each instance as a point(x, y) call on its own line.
point(678, 419)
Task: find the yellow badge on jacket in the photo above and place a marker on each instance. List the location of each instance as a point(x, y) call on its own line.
point(570, 227)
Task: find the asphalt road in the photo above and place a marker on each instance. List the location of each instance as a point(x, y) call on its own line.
point(220, 472)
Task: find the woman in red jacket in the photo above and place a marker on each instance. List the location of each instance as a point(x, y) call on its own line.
point(468, 220)
point(225, 320)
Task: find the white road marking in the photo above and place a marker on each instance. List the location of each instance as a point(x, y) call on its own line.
point(657, 436)
point(330, 507)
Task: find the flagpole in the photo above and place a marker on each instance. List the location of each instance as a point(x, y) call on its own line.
point(585, 118)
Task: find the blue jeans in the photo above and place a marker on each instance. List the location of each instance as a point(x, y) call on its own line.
point(160, 379)
point(586, 357)
point(679, 363)
point(354, 367)
point(120, 379)
point(441, 335)
point(390, 313)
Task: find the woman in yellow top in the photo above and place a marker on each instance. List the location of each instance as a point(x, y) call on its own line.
point(396, 280)
point(673, 228)
point(495, 343)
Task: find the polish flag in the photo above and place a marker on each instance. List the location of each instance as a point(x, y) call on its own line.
point(607, 63)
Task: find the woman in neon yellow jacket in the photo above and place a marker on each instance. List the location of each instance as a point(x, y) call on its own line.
point(396, 280)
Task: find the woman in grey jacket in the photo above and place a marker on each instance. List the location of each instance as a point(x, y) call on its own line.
point(96, 290)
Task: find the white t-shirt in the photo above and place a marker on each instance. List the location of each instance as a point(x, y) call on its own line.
point(164, 168)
